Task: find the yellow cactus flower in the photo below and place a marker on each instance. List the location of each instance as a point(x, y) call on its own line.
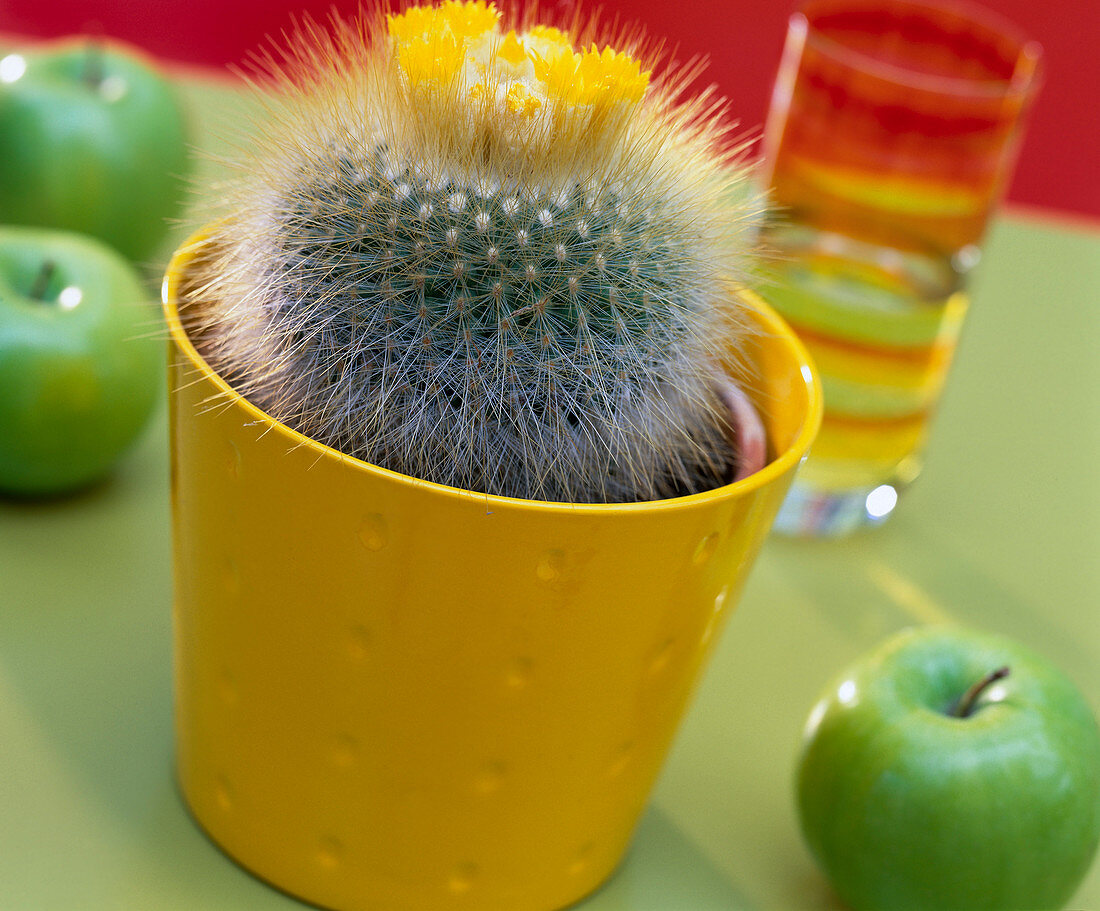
point(478, 93)
point(464, 19)
point(433, 59)
point(591, 76)
point(415, 22)
point(431, 42)
point(549, 36)
point(469, 20)
point(612, 74)
point(558, 72)
point(434, 44)
point(511, 50)
point(520, 100)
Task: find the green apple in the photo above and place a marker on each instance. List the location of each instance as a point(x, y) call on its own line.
point(80, 360)
point(951, 769)
point(92, 139)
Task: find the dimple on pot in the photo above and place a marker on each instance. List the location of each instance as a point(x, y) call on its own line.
point(394, 694)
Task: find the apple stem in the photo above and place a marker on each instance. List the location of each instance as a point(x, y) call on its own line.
point(42, 280)
point(93, 63)
point(966, 705)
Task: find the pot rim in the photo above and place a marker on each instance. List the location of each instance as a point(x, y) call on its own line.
point(786, 461)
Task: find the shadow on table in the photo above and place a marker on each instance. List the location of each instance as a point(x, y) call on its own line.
point(664, 871)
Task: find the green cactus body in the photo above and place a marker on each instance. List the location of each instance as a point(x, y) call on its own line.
point(515, 317)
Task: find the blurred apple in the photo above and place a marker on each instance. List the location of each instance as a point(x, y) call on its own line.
point(92, 139)
point(80, 360)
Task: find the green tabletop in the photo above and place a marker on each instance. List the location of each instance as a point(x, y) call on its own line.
point(1002, 531)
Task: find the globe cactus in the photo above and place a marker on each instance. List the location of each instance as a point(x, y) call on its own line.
point(482, 257)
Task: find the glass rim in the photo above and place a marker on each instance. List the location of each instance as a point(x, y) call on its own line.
point(1023, 80)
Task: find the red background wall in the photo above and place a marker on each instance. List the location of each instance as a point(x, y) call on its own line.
point(1059, 165)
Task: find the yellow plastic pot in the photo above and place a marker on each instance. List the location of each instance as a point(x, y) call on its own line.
point(396, 695)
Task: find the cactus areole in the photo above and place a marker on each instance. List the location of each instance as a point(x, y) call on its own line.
point(498, 256)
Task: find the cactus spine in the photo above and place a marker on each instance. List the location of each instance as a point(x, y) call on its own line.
point(482, 258)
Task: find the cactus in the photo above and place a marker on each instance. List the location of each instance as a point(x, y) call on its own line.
point(483, 258)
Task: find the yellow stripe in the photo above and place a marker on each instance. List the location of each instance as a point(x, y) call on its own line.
point(906, 595)
point(924, 198)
